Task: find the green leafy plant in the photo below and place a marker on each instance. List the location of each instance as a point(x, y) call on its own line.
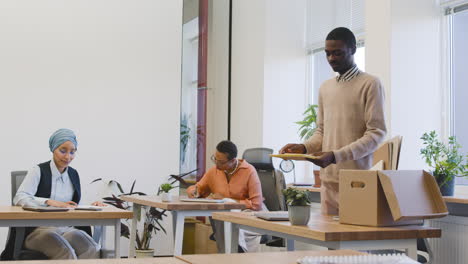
point(166, 187)
point(445, 159)
point(152, 216)
point(309, 124)
point(295, 197)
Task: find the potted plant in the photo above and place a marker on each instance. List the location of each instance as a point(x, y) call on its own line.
point(152, 218)
point(164, 189)
point(298, 205)
point(307, 128)
point(445, 160)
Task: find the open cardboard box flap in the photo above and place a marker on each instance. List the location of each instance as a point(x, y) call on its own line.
point(412, 195)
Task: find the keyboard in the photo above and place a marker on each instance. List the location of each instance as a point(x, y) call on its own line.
point(202, 200)
point(273, 216)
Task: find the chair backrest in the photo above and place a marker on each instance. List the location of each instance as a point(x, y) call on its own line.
point(272, 180)
point(17, 178)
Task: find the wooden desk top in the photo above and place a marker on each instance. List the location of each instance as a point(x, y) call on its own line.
point(288, 257)
point(176, 204)
point(17, 213)
point(163, 260)
point(324, 228)
point(456, 199)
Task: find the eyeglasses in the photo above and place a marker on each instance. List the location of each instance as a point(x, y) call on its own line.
point(220, 162)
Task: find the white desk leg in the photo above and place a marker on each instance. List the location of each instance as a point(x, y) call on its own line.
point(234, 239)
point(179, 232)
point(103, 236)
point(131, 245)
point(117, 238)
point(412, 251)
point(290, 244)
point(227, 236)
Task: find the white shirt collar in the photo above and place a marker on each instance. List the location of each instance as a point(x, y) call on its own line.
point(56, 173)
point(349, 74)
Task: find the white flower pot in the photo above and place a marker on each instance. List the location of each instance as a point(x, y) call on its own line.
point(166, 197)
point(144, 253)
point(299, 215)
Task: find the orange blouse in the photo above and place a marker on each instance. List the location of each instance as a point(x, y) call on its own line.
point(243, 186)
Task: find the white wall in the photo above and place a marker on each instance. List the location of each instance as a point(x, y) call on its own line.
point(403, 49)
point(247, 73)
point(109, 70)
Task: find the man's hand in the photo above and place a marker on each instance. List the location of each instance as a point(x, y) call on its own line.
point(293, 148)
point(324, 159)
point(69, 204)
point(194, 193)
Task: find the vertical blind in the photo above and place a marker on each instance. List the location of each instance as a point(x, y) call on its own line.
point(325, 15)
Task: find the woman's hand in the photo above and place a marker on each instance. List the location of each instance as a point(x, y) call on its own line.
point(99, 203)
point(216, 196)
point(69, 204)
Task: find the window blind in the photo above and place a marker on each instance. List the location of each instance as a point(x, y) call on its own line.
point(323, 16)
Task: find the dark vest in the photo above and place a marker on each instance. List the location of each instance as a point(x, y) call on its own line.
point(43, 190)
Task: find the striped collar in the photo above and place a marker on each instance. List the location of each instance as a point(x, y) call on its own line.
point(349, 74)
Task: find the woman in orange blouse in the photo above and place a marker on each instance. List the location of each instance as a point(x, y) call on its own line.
point(235, 179)
point(230, 178)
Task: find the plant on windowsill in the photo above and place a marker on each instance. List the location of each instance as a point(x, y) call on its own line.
point(151, 217)
point(445, 160)
point(307, 128)
point(298, 205)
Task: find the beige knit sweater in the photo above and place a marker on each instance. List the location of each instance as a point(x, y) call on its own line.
point(350, 123)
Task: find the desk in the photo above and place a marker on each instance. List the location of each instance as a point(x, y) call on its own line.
point(324, 231)
point(164, 260)
point(179, 211)
point(15, 216)
point(264, 257)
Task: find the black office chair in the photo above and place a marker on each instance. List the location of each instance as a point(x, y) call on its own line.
point(273, 183)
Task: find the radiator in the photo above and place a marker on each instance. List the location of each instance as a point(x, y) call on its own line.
point(452, 247)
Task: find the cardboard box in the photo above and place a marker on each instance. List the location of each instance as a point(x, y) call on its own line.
point(388, 198)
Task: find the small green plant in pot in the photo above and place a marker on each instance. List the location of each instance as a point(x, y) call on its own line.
point(298, 205)
point(445, 160)
point(165, 188)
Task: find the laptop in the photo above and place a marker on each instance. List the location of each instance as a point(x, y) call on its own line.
point(45, 209)
point(202, 200)
point(273, 216)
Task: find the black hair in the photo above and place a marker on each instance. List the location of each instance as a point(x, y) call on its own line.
point(343, 34)
point(227, 147)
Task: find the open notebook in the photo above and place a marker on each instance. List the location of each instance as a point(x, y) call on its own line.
point(45, 209)
point(202, 200)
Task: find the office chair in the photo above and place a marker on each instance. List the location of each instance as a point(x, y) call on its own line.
point(272, 182)
point(18, 233)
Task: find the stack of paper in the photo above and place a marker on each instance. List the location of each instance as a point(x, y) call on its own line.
point(358, 259)
point(388, 154)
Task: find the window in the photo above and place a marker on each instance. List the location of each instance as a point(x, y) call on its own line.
point(459, 78)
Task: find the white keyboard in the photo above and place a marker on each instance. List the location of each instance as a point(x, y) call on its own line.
point(273, 216)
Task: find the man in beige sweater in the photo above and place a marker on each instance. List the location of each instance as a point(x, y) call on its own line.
point(350, 122)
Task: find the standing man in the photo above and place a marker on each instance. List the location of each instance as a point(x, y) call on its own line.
point(350, 123)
